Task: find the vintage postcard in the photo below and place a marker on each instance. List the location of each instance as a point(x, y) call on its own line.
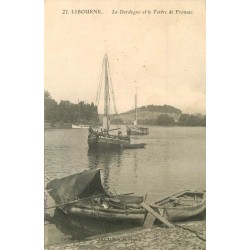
point(125, 124)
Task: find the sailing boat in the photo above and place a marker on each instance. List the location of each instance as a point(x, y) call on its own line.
point(135, 130)
point(104, 139)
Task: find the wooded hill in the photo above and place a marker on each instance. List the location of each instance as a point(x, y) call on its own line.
point(164, 115)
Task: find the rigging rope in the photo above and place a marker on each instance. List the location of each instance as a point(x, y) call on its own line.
point(100, 86)
point(112, 88)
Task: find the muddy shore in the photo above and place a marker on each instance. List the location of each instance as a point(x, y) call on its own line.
point(156, 237)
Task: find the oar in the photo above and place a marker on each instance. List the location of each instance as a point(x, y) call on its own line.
point(125, 194)
point(156, 215)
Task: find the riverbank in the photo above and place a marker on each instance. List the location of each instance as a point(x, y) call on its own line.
point(57, 125)
point(64, 125)
point(144, 238)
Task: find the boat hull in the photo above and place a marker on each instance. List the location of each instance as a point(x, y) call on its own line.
point(80, 228)
point(96, 142)
point(133, 132)
point(93, 142)
point(137, 131)
point(112, 215)
point(181, 214)
point(111, 143)
point(132, 146)
point(181, 206)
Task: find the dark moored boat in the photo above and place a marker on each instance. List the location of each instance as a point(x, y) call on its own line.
point(97, 140)
point(103, 140)
point(181, 206)
point(83, 195)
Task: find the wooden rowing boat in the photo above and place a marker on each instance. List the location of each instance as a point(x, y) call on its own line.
point(83, 195)
point(181, 206)
point(79, 228)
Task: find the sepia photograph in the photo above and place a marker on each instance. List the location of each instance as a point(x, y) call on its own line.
point(124, 124)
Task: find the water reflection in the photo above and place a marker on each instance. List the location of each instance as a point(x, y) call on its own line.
point(135, 164)
point(109, 162)
point(79, 228)
point(103, 158)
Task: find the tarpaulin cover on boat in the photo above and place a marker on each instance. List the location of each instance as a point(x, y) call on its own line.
point(84, 184)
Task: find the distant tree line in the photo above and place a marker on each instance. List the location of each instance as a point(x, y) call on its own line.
point(68, 112)
point(167, 120)
point(184, 120)
point(192, 120)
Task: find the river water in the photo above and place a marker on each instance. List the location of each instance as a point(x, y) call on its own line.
point(174, 159)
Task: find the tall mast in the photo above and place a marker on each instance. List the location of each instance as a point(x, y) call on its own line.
point(135, 122)
point(106, 95)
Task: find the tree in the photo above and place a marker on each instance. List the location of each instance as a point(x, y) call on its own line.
point(47, 94)
point(183, 120)
point(50, 108)
point(194, 121)
point(203, 121)
point(64, 110)
point(67, 112)
point(165, 120)
point(191, 120)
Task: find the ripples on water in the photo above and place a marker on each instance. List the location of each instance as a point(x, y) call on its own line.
point(174, 159)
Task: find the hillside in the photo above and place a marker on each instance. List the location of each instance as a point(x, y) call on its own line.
point(145, 114)
point(160, 116)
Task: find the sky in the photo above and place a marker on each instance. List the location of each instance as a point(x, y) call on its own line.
point(162, 55)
